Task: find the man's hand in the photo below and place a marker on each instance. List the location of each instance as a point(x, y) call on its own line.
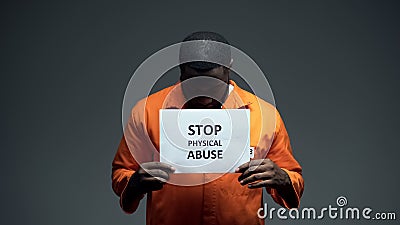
point(151, 176)
point(263, 173)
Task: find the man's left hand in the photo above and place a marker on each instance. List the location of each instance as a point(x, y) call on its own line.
point(263, 173)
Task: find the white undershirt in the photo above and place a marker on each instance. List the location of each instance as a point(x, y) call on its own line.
point(230, 90)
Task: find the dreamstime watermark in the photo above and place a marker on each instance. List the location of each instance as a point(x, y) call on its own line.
point(338, 211)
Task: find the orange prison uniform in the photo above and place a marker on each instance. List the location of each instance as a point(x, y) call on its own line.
point(221, 201)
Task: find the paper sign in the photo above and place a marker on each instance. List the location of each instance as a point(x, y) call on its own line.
point(205, 140)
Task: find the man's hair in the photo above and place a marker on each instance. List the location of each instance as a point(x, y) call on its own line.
point(206, 35)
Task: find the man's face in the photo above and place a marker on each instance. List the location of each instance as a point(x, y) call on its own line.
point(205, 89)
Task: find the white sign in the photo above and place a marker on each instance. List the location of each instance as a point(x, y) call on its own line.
point(205, 140)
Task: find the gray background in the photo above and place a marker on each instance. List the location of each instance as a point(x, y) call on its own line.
point(333, 67)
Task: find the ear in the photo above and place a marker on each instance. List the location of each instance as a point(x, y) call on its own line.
point(182, 71)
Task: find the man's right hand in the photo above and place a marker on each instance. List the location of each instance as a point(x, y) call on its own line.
point(151, 176)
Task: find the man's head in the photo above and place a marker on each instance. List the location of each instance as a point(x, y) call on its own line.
point(205, 84)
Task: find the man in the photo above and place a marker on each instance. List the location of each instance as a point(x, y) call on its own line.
point(232, 198)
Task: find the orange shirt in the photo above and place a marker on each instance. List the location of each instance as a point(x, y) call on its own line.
point(219, 201)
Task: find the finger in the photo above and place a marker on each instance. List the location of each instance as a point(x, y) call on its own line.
point(158, 165)
point(256, 162)
point(256, 177)
point(157, 187)
point(264, 183)
point(247, 173)
point(153, 180)
point(255, 169)
point(244, 166)
point(153, 184)
point(158, 173)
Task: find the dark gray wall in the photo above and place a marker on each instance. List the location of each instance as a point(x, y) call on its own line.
point(333, 67)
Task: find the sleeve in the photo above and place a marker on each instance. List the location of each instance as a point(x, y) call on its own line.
point(135, 147)
point(281, 154)
point(123, 167)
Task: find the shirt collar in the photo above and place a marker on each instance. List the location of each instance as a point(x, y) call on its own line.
point(237, 98)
